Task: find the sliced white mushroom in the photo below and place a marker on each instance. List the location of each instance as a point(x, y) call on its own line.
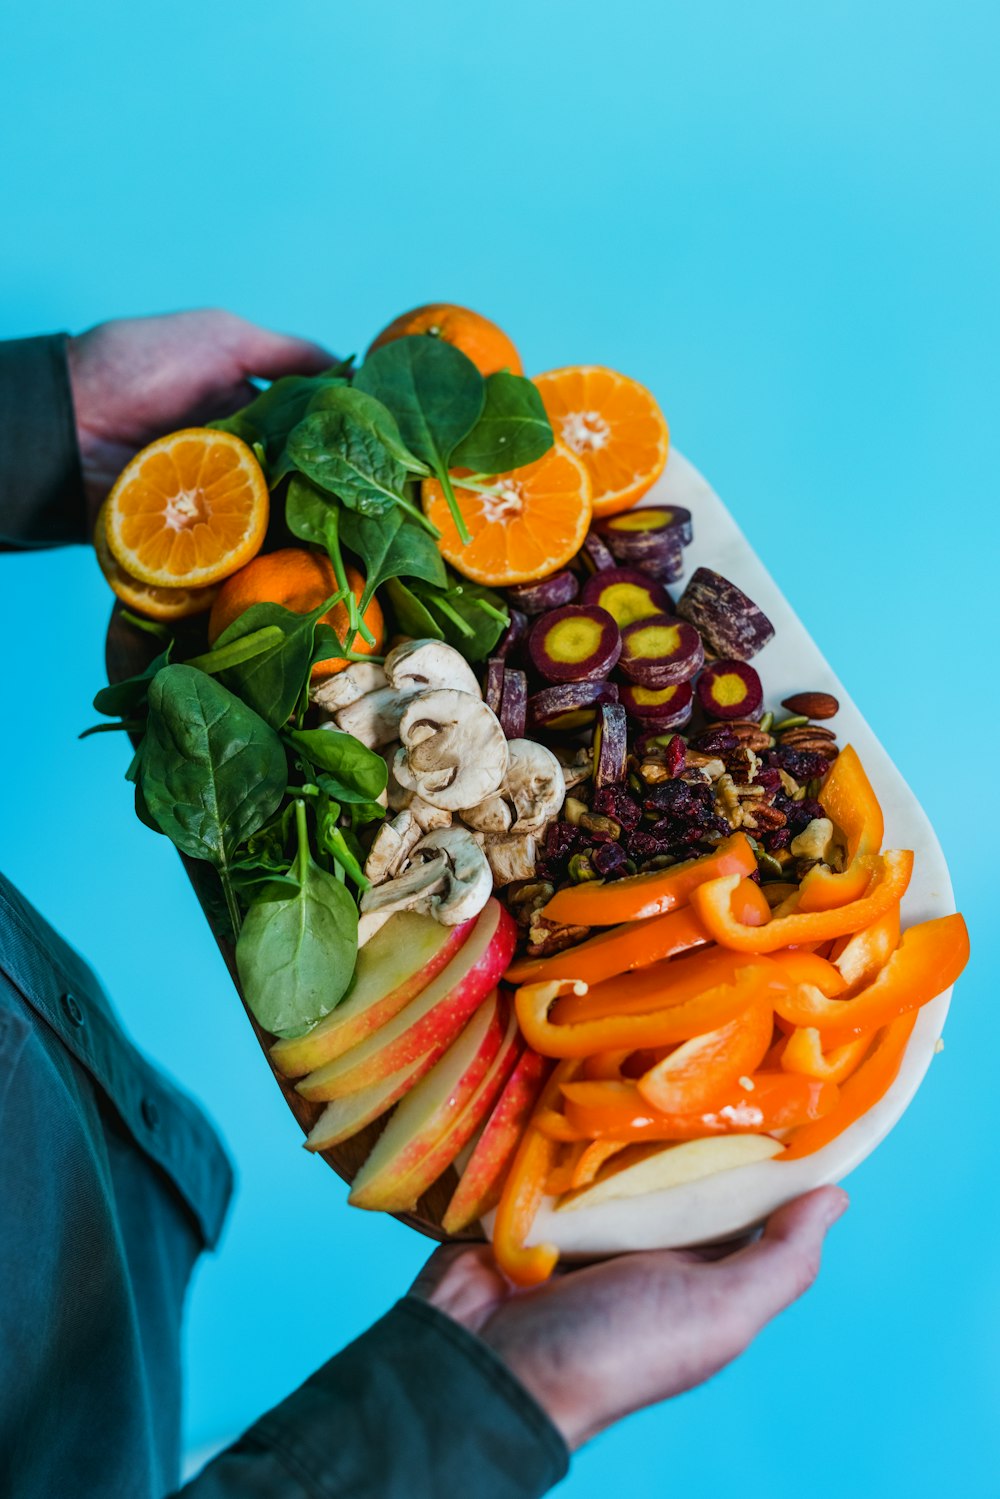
point(374, 718)
point(392, 846)
point(470, 883)
point(491, 816)
point(455, 750)
point(412, 890)
point(577, 766)
point(400, 799)
point(512, 857)
point(534, 783)
point(345, 687)
point(420, 665)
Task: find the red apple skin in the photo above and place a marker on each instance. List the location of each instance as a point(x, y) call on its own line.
point(431, 1021)
point(483, 1178)
point(365, 1009)
point(395, 1187)
point(344, 1117)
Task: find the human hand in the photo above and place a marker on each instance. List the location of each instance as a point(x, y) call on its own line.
point(135, 379)
point(595, 1344)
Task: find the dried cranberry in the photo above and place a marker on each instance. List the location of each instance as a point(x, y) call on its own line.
point(643, 846)
point(769, 779)
point(676, 753)
point(615, 801)
point(562, 840)
point(777, 838)
point(798, 815)
point(609, 859)
point(716, 741)
point(803, 765)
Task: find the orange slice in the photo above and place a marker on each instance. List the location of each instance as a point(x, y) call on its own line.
point(613, 425)
point(144, 598)
point(524, 524)
point(188, 510)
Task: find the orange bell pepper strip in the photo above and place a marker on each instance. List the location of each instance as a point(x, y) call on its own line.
point(592, 1158)
point(776, 1100)
point(803, 1053)
point(823, 890)
point(639, 896)
point(890, 876)
point(850, 803)
point(802, 967)
point(927, 961)
point(671, 1022)
point(550, 1122)
point(660, 985)
point(860, 957)
point(706, 1068)
point(635, 944)
point(560, 1178)
point(859, 1092)
point(523, 1191)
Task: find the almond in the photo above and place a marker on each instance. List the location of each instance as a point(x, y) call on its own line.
point(812, 704)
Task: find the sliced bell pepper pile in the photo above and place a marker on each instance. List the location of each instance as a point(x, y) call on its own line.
point(849, 801)
point(663, 984)
point(927, 961)
point(803, 1052)
point(890, 876)
point(775, 1101)
point(636, 944)
point(801, 967)
point(700, 1071)
point(859, 958)
point(639, 896)
point(860, 1091)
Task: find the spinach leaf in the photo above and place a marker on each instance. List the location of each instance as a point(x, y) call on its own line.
point(309, 513)
point(390, 548)
point(127, 698)
point(296, 951)
point(466, 615)
point(412, 615)
point(237, 651)
point(269, 417)
point(436, 395)
point(211, 771)
point(273, 681)
point(371, 414)
point(354, 773)
point(512, 431)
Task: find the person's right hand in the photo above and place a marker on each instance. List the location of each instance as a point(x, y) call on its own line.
point(595, 1344)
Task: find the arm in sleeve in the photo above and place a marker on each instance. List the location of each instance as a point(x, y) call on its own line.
point(41, 487)
point(415, 1408)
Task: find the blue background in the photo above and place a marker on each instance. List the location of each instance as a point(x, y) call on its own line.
point(784, 219)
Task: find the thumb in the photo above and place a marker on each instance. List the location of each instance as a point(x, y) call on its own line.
point(269, 355)
point(782, 1264)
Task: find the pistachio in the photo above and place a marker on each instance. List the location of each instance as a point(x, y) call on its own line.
point(580, 869)
point(794, 722)
point(766, 722)
point(573, 810)
point(594, 822)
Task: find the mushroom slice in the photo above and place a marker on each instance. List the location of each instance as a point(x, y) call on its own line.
point(374, 718)
point(392, 846)
point(410, 891)
point(455, 750)
point(345, 687)
point(420, 665)
point(512, 857)
point(577, 766)
point(470, 883)
point(491, 816)
point(534, 783)
point(402, 800)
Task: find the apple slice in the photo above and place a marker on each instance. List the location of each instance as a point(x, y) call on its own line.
point(346, 1116)
point(432, 1020)
point(400, 960)
point(426, 1132)
point(482, 1179)
point(647, 1168)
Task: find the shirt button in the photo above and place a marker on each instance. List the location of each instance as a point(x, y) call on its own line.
point(150, 1113)
point(72, 1009)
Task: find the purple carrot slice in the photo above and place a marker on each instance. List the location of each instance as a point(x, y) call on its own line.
point(570, 706)
point(513, 635)
point(627, 594)
point(731, 622)
point(649, 520)
point(547, 593)
point(660, 549)
point(493, 685)
point(610, 745)
point(595, 554)
point(661, 650)
point(513, 713)
point(578, 643)
point(658, 707)
point(730, 689)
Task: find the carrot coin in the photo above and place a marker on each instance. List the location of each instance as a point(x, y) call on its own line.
point(524, 524)
point(188, 510)
point(299, 580)
point(613, 425)
point(483, 342)
point(145, 598)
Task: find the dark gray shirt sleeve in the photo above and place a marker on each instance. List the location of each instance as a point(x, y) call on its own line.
point(41, 488)
point(415, 1408)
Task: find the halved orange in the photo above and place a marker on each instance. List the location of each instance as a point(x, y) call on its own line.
point(146, 598)
point(188, 510)
point(528, 523)
point(613, 424)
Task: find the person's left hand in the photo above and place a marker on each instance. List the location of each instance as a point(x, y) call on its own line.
point(135, 379)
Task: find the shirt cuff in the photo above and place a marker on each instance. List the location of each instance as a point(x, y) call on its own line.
point(42, 500)
point(417, 1407)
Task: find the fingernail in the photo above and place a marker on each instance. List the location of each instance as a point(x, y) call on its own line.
point(836, 1207)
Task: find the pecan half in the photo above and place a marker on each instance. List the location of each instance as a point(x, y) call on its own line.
point(825, 748)
point(806, 731)
point(750, 735)
point(762, 818)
